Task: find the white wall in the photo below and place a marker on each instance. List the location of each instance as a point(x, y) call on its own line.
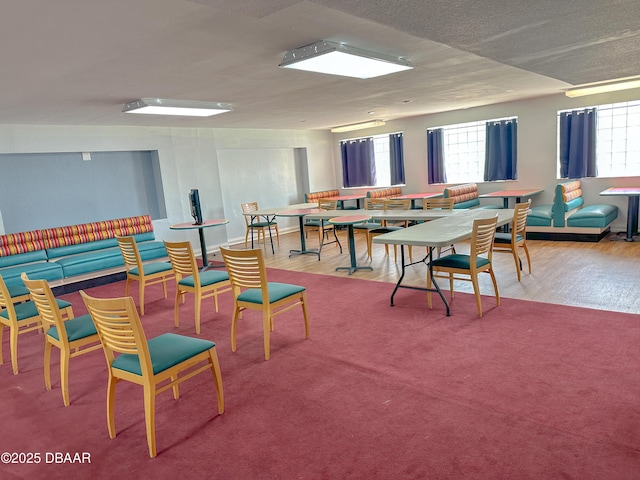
point(537, 147)
point(188, 159)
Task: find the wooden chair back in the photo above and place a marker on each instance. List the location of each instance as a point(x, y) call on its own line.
point(119, 329)
point(374, 203)
point(182, 260)
point(326, 204)
point(45, 301)
point(520, 214)
point(246, 269)
point(438, 203)
point(484, 230)
point(248, 207)
point(130, 253)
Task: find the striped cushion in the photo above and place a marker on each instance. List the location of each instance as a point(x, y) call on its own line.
point(315, 196)
point(90, 232)
point(23, 242)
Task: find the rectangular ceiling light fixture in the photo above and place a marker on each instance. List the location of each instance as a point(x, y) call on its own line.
point(189, 108)
point(358, 126)
point(338, 59)
point(604, 87)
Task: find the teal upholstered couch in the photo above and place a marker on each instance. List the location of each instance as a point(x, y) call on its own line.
point(65, 255)
point(568, 219)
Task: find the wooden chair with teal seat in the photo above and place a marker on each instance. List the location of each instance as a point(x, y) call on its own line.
point(366, 227)
point(189, 279)
point(157, 364)
point(145, 274)
point(260, 227)
point(517, 237)
point(252, 290)
point(469, 265)
point(20, 318)
point(72, 335)
point(388, 226)
point(323, 226)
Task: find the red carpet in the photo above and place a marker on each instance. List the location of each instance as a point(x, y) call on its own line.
point(529, 391)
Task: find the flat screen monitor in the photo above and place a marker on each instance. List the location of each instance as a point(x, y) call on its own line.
point(196, 211)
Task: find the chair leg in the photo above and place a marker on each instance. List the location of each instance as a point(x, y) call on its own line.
point(266, 326)
point(1, 337)
point(234, 325)
point(303, 300)
point(217, 378)
point(495, 286)
point(47, 365)
point(526, 252)
point(64, 375)
point(149, 417)
point(198, 303)
point(429, 286)
point(141, 295)
point(111, 396)
point(516, 259)
point(13, 345)
point(476, 291)
point(176, 320)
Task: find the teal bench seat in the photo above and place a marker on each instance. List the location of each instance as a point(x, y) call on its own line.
point(599, 216)
point(540, 216)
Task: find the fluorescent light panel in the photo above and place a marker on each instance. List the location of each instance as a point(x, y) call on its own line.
point(189, 108)
point(596, 88)
point(358, 126)
point(338, 59)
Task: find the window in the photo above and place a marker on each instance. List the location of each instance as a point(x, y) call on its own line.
point(464, 146)
point(473, 152)
point(375, 161)
point(618, 140)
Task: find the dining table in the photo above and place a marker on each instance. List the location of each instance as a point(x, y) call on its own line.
point(438, 233)
point(203, 244)
point(633, 196)
point(300, 213)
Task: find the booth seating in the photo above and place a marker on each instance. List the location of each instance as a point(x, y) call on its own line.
point(313, 197)
point(65, 255)
point(385, 193)
point(465, 196)
point(568, 219)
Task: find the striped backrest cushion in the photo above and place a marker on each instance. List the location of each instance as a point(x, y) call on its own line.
point(570, 190)
point(385, 192)
point(461, 193)
point(90, 232)
point(315, 196)
point(23, 242)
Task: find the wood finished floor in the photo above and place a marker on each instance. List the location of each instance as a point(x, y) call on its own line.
point(603, 275)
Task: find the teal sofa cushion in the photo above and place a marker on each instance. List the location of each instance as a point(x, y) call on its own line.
point(598, 216)
point(467, 204)
point(58, 252)
point(89, 262)
point(540, 216)
point(20, 258)
point(38, 271)
point(166, 351)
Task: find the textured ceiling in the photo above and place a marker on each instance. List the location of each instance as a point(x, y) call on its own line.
point(76, 62)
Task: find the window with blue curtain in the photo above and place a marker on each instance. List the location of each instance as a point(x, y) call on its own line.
point(577, 150)
point(501, 150)
point(358, 162)
point(396, 158)
point(435, 156)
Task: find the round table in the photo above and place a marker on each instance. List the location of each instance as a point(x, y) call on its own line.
point(201, 227)
point(350, 221)
point(300, 213)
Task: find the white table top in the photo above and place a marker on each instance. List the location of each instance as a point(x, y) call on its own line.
point(274, 210)
point(387, 214)
point(444, 231)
